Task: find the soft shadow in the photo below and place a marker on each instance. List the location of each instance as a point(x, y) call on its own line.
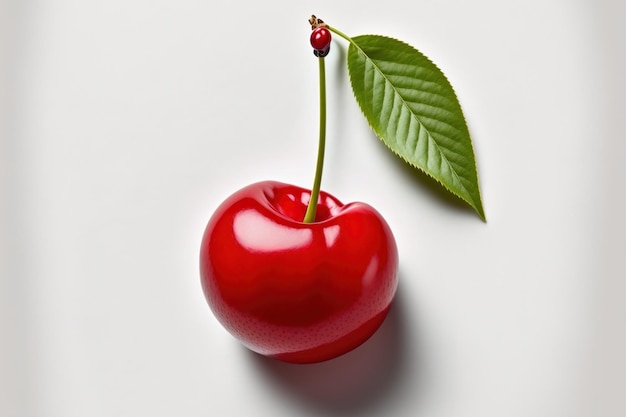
point(351, 384)
point(339, 70)
point(434, 190)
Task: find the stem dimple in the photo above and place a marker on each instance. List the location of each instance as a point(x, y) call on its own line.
point(311, 210)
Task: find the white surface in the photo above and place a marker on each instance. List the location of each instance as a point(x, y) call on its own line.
point(126, 122)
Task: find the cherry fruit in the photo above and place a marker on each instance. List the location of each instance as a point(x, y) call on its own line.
point(320, 37)
point(299, 292)
point(320, 41)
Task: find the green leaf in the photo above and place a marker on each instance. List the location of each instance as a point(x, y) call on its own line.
point(411, 106)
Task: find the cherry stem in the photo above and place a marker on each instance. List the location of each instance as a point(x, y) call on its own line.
point(340, 33)
point(311, 209)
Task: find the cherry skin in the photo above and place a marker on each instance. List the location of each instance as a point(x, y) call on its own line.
point(320, 38)
point(298, 292)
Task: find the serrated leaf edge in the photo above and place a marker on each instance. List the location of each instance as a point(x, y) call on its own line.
point(476, 206)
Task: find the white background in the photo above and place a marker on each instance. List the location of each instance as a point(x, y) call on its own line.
point(125, 123)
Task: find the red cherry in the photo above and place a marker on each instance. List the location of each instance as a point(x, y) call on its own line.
point(298, 292)
point(320, 38)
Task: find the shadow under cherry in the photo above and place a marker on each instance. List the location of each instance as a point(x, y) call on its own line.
point(357, 382)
